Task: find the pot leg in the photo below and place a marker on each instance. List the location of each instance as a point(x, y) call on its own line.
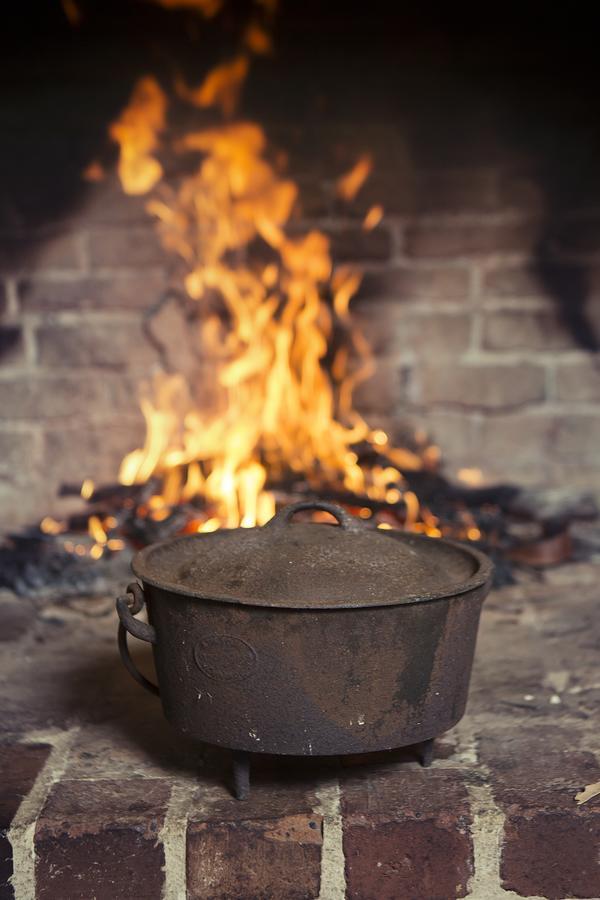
point(241, 774)
point(427, 753)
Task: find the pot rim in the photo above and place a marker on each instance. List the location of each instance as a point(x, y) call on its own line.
point(480, 577)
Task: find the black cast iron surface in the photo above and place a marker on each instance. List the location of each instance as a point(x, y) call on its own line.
point(313, 677)
point(306, 566)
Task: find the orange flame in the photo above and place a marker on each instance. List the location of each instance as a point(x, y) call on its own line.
point(373, 218)
point(257, 40)
point(279, 409)
point(136, 133)
point(349, 185)
point(208, 8)
point(221, 87)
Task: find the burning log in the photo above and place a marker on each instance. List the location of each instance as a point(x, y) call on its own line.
point(515, 526)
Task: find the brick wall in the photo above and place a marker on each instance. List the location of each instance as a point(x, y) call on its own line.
point(470, 341)
point(479, 296)
point(99, 797)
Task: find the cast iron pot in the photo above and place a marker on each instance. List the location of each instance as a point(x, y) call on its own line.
point(308, 639)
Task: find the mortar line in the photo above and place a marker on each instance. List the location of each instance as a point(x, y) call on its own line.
point(21, 834)
point(488, 833)
point(12, 297)
point(174, 840)
point(333, 864)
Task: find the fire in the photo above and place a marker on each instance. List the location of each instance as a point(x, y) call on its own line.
point(222, 86)
point(136, 133)
point(348, 185)
point(472, 477)
point(283, 380)
point(373, 218)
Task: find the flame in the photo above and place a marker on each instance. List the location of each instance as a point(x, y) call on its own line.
point(349, 185)
point(282, 392)
point(136, 133)
point(87, 488)
point(373, 218)
point(96, 530)
point(471, 477)
point(221, 87)
point(51, 526)
point(257, 39)
point(93, 172)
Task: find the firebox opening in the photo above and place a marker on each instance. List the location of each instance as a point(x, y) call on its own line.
point(246, 271)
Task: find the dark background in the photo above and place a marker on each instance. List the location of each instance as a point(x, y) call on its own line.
point(460, 83)
point(453, 75)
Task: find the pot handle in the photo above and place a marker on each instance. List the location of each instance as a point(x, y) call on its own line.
point(346, 521)
point(127, 607)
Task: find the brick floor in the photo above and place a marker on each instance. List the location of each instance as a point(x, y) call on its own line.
point(100, 798)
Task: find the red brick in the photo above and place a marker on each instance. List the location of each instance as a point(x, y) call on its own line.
point(577, 436)
point(268, 846)
point(48, 397)
point(550, 844)
point(72, 452)
point(384, 391)
point(351, 243)
point(552, 855)
point(584, 474)
point(20, 765)
point(107, 204)
point(509, 663)
point(513, 281)
point(521, 191)
point(140, 291)
point(497, 440)
point(579, 236)
point(414, 284)
point(136, 246)
point(485, 387)
point(546, 282)
point(457, 190)
point(16, 617)
point(381, 323)
point(314, 199)
point(455, 432)
point(526, 331)
point(11, 344)
point(578, 381)
point(406, 834)
point(100, 839)
point(356, 244)
point(394, 328)
point(395, 190)
point(54, 251)
point(567, 633)
point(115, 345)
point(436, 335)
point(457, 239)
point(17, 452)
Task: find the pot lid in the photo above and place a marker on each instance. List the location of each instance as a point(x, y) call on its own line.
point(308, 565)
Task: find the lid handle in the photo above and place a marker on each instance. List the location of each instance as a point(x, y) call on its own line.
point(346, 521)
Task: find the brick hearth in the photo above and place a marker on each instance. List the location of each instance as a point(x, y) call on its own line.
point(99, 798)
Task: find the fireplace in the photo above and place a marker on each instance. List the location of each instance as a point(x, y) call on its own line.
point(422, 194)
point(476, 287)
